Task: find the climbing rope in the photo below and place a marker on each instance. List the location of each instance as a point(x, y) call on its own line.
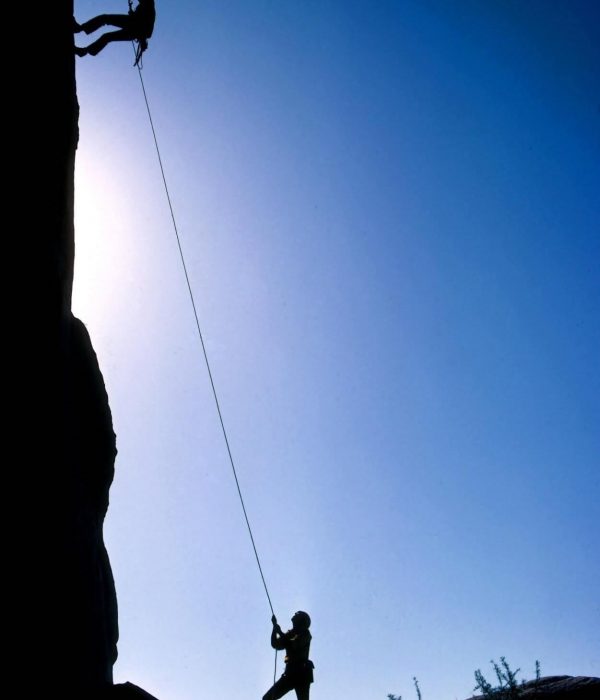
point(204, 352)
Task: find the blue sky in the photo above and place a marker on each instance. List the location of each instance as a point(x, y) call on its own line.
point(389, 212)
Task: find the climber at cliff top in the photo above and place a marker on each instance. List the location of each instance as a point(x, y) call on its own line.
point(137, 25)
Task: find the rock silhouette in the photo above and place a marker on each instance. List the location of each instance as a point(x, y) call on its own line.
point(61, 610)
point(559, 688)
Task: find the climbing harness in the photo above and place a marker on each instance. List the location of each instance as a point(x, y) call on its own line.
point(142, 44)
point(201, 338)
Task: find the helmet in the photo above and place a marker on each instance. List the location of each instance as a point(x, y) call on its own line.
point(302, 619)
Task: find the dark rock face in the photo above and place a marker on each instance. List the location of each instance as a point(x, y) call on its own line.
point(89, 606)
point(560, 688)
point(555, 687)
point(62, 621)
point(128, 691)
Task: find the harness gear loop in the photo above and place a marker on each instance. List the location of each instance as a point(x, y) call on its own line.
point(142, 45)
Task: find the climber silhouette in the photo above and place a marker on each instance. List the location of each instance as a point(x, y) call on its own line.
point(137, 25)
point(298, 674)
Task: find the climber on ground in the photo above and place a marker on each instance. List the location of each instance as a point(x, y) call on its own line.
point(137, 25)
point(298, 674)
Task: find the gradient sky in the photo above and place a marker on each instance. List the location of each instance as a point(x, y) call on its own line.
point(389, 211)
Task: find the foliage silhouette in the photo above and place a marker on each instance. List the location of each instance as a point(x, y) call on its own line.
point(508, 687)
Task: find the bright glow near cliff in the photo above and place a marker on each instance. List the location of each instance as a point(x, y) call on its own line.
point(103, 245)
